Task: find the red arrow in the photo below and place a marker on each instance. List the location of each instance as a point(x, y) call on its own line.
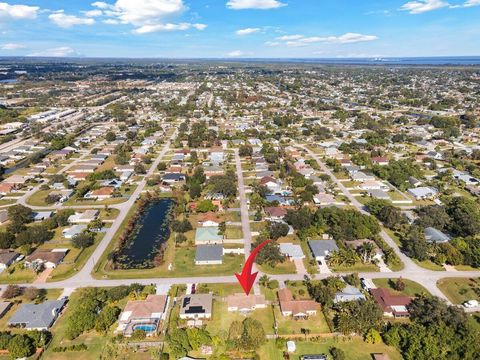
point(246, 278)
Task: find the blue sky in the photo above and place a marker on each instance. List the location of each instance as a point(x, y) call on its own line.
point(240, 28)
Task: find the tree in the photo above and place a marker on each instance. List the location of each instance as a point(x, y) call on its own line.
point(263, 281)
point(299, 219)
point(20, 346)
point(106, 318)
point(31, 293)
point(400, 284)
point(83, 240)
point(372, 337)
point(277, 230)
point(415, 244)
point(245, 150)
point(205, 206)
point(139, 169)
point(35, 234)
point(161, 166)
point(337, 354)
point(195, 191)
point(19, 215)
point(253, 335)
point(6, 239)
point(12, 291)
point(433, 216)
point(353, 279)
point(181, 226)
point(270, 254)
point(110, 136)
point(465, 216)
point(358, 317)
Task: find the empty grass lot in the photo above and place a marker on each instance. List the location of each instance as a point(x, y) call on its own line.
point(459, 290)
point(411, 287)
point(355, 349)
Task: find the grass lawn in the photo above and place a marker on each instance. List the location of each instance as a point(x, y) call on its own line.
point(358, 267)
point(288, 326)
point(184, 264)
point(411, 287)
point(287, 267)
point(38, 198)
point(221, 290)
point(17, 274)
point(430, 265)
point(459, 290)
point(355, 349)
point(233, 232)
point(221, 318)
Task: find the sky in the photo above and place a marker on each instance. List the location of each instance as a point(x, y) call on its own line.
point(240, 28)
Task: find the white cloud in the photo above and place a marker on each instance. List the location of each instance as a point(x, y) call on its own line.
point(93, 13)
point(62, 51)
point(147, 12)
point(347, 38)
point(247, 31)
point(273, 43)
point(18, 12)
point(471, 3)
point(236, 53)
point(67, 21)
point(145, 29)
point(101, 5)
point(254, 4)
point(290, 37)
point(421, 6)
point(147, 16)
point(12, 46)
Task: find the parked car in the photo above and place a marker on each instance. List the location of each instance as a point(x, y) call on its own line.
point(471, 303)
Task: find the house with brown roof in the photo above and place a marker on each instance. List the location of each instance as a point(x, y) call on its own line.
point(49, 258)
point(276, 212)
point(143, 315)
point(209, 219)
point(245, 303)
point(392, 305)
point(6, 188)
point(103, 193)
point(298, 309)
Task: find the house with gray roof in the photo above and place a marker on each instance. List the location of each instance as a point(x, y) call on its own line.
point(433, 235)
point(422, 193)
point(209, 255)
point(321, 249)
point(291, 251)
point(349, 293)
point(37, 316)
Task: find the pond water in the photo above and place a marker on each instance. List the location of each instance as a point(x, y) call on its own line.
point(151, 233)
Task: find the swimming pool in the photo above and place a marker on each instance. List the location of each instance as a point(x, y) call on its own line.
point(145, 327)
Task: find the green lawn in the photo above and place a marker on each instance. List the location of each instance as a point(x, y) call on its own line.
point(221, 290)
point(358, 267)
point(430, 265)
point(412, 288)
point(355, 349)
point(234, 232)
point(221, 318)
point(17, 274)
point(184, 264)
point(38, 198)
point(459, 290)
point(287, 267)
point(288, 326)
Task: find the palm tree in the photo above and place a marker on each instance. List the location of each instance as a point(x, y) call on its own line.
point(264, 280)
point(366, 251)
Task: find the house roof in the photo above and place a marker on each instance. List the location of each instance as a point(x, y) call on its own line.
point(292, 250)
point(46, 256)
point(288, 304)
point(243, 301)
point(349, 293)
point(435, 235)
point(391, 303)
point(152, 306)
point(276, 211)
point(196, 304)
point(209, 216)
point(208, 233)
point(322, 247)
point(6, 257)
point(209, 253)
point(37, 315)
point(103, 191)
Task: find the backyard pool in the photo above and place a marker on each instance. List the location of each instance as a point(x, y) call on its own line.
point(145, 327)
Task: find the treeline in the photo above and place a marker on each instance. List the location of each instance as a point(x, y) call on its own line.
point(25, 344)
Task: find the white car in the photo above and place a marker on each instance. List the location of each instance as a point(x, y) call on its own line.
point(471, 303)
